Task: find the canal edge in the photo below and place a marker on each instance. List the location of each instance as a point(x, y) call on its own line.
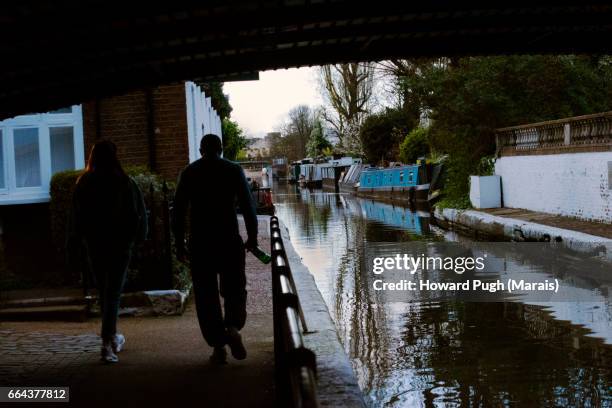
point(337, 382)
point(506, 228)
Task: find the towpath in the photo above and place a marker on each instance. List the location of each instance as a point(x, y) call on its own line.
point(165, 360)
point(588, 227)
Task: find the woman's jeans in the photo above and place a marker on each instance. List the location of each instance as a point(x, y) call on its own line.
point(109, 268)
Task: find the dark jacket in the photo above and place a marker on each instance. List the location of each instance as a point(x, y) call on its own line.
point(211, 186)
point(108, 211)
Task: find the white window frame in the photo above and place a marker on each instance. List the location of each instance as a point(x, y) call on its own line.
point(12, 194)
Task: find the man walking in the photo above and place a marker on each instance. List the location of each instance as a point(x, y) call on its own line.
point(210, 187)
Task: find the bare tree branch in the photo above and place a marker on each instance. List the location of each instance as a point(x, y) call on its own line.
point(348, 93)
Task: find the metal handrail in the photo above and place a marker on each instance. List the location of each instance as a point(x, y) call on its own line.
point(295, 364)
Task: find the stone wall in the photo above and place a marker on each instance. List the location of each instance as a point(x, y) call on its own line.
point(572, 184)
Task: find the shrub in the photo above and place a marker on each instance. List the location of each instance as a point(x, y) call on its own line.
point(457, 171)
point(61, 191)
point(415, 145)
point(486, 166)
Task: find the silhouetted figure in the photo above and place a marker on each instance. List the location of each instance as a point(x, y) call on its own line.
point(210, 186)
point(108, 217)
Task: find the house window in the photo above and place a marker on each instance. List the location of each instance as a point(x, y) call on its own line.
point(62, 148)
point(2, 182)
point(33, 148)
point(27, 157)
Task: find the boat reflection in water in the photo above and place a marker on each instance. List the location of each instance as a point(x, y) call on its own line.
point(420, 352)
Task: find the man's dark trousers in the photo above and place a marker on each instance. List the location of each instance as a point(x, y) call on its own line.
point(218, 268)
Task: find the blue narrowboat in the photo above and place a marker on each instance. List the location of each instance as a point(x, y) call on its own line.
point(407, 182)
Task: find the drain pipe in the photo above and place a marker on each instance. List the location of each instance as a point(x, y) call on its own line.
point(150, 107)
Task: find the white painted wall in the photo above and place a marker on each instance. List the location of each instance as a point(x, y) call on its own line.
point(573, 184)
point(202, 118)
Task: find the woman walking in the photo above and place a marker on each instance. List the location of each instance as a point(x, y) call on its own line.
point(108, 218)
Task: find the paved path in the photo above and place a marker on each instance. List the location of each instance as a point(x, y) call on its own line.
point(165, 360)
point(588, 227)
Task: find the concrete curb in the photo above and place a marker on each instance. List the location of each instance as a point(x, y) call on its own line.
point(492, 226)
point(337, 384)
point(170, 302)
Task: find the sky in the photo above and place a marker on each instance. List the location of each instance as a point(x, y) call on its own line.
point(260, 106)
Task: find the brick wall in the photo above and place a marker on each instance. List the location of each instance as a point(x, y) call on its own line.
point(574, 184)
point(124, 120)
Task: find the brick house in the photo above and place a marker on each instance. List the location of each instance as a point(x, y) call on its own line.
point(159, 127)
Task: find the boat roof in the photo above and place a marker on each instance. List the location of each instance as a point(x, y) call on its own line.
point(405, 166)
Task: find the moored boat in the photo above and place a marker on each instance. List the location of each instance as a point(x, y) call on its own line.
point(310, 174)
point(333, 171)
point(405, 182)
point(349, 179)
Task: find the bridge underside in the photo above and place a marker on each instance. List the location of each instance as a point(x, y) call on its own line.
point(63, 52)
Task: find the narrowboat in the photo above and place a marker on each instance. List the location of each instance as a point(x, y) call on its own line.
point(263, 199)
point(294, 172)
point(333, 170)
point(310, 174)
point(406, 182)
point(349, 178)
point(279, 168)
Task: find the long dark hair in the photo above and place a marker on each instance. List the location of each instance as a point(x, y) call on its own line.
point(103, 159)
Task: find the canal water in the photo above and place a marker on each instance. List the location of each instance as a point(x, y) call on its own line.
point(423, 353)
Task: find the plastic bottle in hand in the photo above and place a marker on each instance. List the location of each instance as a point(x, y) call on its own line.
point(261, 255)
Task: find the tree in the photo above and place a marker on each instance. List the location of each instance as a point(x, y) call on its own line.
point(219, 101)
point(317, 143)
point(468, 98)
point(347, 90)
point(234, 140)
point(277, 145)
point(399, 72)
point(295, 132)
point(415, 145)
point(382, 133)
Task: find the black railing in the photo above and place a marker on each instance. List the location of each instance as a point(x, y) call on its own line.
point(295, 365)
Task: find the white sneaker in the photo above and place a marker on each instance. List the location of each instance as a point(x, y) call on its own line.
point(107, 353)
point(118, 342)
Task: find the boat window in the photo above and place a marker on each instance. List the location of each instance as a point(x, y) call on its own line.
point(401, 177)
point(410, 175)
